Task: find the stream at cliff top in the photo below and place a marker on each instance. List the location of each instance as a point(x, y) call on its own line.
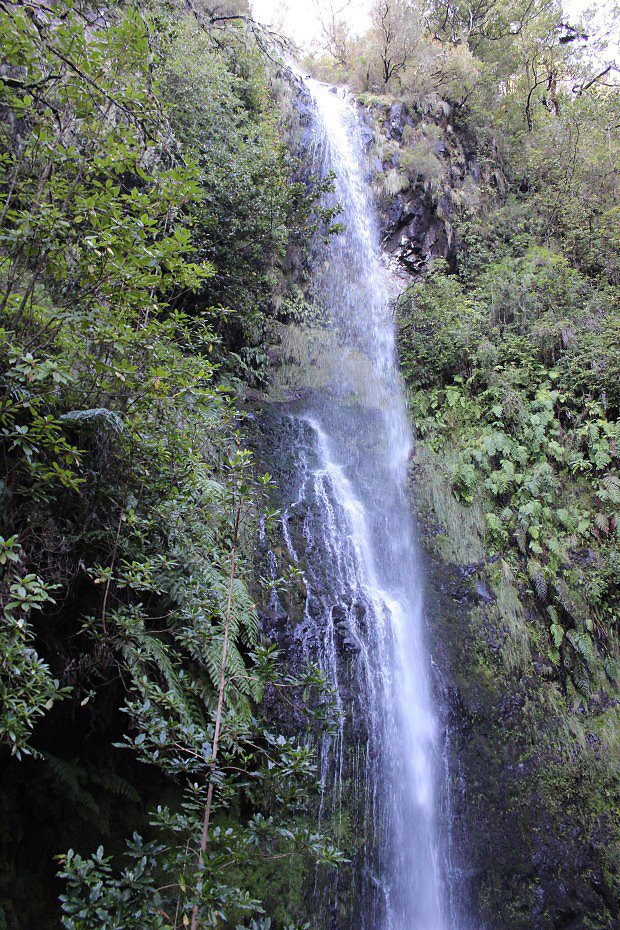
point(347, 522)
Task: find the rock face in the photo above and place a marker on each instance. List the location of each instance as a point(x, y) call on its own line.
point(424, 171)
point(416, 233)
point(532, 823)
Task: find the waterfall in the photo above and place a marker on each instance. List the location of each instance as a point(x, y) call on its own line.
point(347, 522)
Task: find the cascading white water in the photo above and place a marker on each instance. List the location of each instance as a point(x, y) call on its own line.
point(347, 521)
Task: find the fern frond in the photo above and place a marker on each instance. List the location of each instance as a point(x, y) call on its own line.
point(70, 777)
point(609, 489)
point(582, 644)
point(581, 680)
point(556, 548)
point(557, 634)
point(144, 647)
point(611, 668)
point(537, 575)
point(601, 521)
point(116, 785)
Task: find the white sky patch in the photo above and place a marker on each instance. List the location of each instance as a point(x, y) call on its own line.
point(605, 26)
point(301, 19)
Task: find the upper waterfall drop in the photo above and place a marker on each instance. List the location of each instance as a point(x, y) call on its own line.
point(347, 518)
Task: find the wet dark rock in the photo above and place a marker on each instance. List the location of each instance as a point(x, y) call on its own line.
point(602, 887)
point(366, 135)
point(271, 618)
point(350, 645)
point(417, 228)
point(415, 233)
point(396, 211)
point(474, 168)
point(397, 120)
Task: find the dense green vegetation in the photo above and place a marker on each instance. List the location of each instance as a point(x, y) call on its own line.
point(147, 204)
point(514, 379)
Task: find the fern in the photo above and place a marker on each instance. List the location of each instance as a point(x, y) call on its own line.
point(556, 548)
point(102, 414)
point(143, 648)
point(496, 529)
point(532, 484)
point(611, 668)
point(521, 539)
point(582, 644)
point(243, 613)
point(601, 521)
point(600, 456)
point(581, 680)
point(236, 671)
point(463, 481)
point(70, 777)
point(553, 614)
point(557, 634)
point(537, 575)
point(116, 785)
point(609, 489)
